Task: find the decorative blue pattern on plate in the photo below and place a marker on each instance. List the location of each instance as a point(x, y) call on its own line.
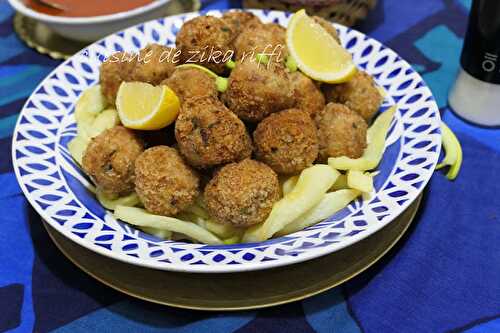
point(56, 188)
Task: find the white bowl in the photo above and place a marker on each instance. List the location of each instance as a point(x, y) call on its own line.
point(88, 29)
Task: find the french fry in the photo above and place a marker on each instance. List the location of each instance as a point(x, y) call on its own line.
point(220, 230)
point(130, 200)
point(77, 147)
point(312, 185)
point(330, 204)
point(105, 120)
point(340, 184)
point(374, 151)
point(360, 181)
point(141, 218)
point(199, 216)
point(89, 105)
point(163, 234)
point(91, 121)
point(198, 210)
point(289, 184)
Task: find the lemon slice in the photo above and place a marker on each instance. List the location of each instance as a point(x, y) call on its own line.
point(143, 106)
point(316, 52)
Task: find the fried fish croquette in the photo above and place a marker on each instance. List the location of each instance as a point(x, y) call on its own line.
point(287, 141)
point(360, 94)
point(190, 82)
point(269, 39)
point(341, 132)
point(206, 40)
point(242, 194)
point(308, 95)
point(115, 70)
point(165, 184)
point(239, 20)
point(256, 90)
point(209, 134)
point(154, 64)
point(109, 160)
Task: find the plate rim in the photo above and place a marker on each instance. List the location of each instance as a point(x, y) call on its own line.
point(223, 268)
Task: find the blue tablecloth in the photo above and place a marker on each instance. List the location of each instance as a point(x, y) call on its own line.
point(445, 275)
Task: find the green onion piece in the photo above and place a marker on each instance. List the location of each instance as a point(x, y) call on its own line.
point(262, 58)
point(291, 64)
point(453, 152)
point(230, 64)
point(222, 84)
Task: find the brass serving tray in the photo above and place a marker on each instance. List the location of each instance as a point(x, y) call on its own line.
point(238, 291)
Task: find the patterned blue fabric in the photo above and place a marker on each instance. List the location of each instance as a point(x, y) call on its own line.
point(437, 279)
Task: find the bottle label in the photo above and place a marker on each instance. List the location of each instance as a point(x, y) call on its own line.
point(481, 52)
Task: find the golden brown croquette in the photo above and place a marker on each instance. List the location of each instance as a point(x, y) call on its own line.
point(360, 94)
point(209, 134)
point(202, 39)
point(165, 184)
point(242, 194)
point(308, 95)
point(239, 20)
point(266, 38)
point(115, 70)
point(109, 160)
point(341, 132)
point(190, 82)
point(256, 90)
point(287, 141)
point(154, 64)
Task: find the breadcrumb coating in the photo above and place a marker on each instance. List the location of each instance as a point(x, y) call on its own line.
point(209, 134)
point(109, 160)
point(287, 141)
point(154, 64)
point(257, 90)
point(204, 36)
point(189, 83)
point(341, 132)
point(308, 95)
point(242, 194)
point(115, 70)
point(360, 94)
point(165, 184)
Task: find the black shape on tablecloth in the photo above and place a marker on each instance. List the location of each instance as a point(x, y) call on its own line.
point(11, 304)
point(62, 293)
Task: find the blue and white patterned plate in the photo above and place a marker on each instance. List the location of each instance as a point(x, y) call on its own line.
point(57, 189)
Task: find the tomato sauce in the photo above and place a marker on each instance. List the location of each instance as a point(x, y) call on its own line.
point(86, 8)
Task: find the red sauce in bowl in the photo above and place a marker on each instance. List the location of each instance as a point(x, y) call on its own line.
point(86, 8)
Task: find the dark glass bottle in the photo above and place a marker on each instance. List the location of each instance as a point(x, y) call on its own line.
point(481, 52)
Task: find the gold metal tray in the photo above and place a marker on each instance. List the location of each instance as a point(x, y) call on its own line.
point(39, 37)
point(238, 291)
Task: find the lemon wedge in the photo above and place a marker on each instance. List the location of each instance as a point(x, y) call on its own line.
point(316, 52)
point(143, 106)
